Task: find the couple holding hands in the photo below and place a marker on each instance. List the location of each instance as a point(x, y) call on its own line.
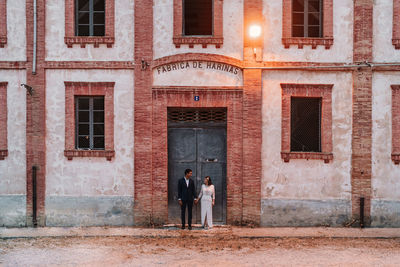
point(187, 195)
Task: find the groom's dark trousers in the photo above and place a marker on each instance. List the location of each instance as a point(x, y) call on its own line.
point(187, 195)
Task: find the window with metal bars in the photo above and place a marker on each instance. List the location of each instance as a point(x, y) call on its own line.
point(305, 124)
point(213, 115)
point(198, 17)
point(90, 18)
point(307, 18)
point(89, 123)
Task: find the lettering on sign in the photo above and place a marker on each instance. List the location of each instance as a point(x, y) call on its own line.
point(205, 65)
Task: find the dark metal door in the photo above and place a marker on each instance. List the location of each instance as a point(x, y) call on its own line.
point(202, 149)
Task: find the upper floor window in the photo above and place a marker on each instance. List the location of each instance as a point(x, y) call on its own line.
point(198, 17)
point(396, 24)
point(307, 22)
point(89, 22)
point(90, 18)
point(307, 18)
point(198, 22)
point(3, 23)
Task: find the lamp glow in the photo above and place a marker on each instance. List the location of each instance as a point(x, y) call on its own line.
point(255, 31)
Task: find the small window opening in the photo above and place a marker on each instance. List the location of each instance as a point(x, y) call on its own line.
point(198, 17)
point(305, 124)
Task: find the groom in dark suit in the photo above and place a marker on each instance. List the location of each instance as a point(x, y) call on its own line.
point(186, 196)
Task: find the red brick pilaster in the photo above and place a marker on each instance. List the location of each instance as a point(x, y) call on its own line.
point(396, 124)
point(36, 112)
point(3, 23)
point(3, 120)
point(252, 140)
point(143, 179)
point(362, 110)
point(252, 128)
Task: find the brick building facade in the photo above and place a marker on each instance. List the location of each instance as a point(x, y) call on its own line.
point(297, 123)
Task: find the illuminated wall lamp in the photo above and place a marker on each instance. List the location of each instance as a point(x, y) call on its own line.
point(254, 33)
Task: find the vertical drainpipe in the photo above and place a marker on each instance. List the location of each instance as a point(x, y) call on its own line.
point(34, 37)
point(34, 198)
point(362, 199)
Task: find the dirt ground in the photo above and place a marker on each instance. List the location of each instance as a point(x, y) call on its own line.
point(189, 249)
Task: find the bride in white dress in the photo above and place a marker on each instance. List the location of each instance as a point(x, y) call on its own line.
point(207, 196)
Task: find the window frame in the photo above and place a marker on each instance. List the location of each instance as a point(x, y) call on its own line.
point(91, 122)
point(3, 120)
point(70, 24)
point(323, 91)
point(395, 124)
point(3, 23)
point(396, 24)
point(327, 27)
point(179, 38)
point(74, 89)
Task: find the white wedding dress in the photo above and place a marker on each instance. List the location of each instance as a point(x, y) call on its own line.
point(207, 195)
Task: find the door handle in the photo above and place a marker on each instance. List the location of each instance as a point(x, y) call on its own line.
point(211, 160)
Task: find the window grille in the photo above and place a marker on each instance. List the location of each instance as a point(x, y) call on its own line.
point(305, 124)
point(89, 123)
point(197, 115)
point(307, 18)
point(198, 17)
point(90, 18)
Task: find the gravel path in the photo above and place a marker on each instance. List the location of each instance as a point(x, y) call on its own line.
point(189, 249)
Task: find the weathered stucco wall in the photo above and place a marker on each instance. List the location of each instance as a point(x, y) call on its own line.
point(383, 50)
point(15, 49)
point(106, 187)
point(197, 73)
point(13, 167)
point(300, 188)
point(122, 49)
point(232, 31)
point(385, 174)
point(340, 51)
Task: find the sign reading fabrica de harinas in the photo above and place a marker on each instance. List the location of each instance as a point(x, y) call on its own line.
point(197, 65)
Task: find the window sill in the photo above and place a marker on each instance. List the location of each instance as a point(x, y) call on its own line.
point(70, 154)
point(84, 40)
point(396, 158)
point(204, 41)
point(302, 41)
point(326, 157)
point(3, 154)
point(3, 41)
point(396, 43)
